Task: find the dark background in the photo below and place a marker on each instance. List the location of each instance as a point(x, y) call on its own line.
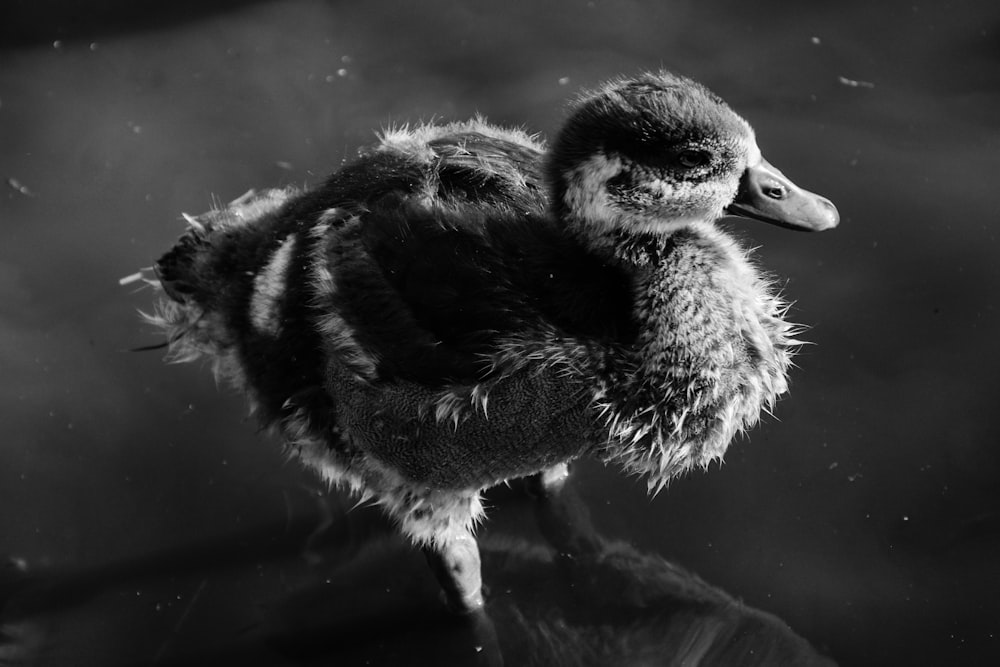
point(866, 514)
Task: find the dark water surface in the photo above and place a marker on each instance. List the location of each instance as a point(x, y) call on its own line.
point(145, 520)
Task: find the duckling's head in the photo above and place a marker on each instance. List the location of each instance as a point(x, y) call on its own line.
point(657, 153)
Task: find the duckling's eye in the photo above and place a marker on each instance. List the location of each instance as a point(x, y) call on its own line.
point(692, 158)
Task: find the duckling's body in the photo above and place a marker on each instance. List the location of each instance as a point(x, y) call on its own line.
point(425, 324)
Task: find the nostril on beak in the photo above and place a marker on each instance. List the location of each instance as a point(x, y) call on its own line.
point(775, 192)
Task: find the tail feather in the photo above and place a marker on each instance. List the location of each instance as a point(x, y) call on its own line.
point(177, 270)
point(188, 272)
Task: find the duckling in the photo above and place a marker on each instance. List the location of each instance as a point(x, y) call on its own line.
point(461, 306)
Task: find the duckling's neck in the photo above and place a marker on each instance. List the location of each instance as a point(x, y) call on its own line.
point(619, 244)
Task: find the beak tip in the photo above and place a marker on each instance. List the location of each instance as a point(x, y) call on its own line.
point(828, 217)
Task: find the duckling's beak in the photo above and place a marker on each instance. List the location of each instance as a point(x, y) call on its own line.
point(767, 194)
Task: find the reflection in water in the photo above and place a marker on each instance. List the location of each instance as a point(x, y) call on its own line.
point(577, 598)
point(619, 606)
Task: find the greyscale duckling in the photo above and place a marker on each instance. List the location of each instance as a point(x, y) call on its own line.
point(461, 306)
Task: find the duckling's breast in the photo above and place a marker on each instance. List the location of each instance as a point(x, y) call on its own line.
point(713, 352)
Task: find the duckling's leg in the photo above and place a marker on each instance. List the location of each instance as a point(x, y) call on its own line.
point(563, 518)
point(551, 479)
point(455, 563)
point(441, 522)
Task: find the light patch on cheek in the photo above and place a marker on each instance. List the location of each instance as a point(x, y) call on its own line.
point(674, 197)
point(586, 188)
point(684, 201)
point(268, 288)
